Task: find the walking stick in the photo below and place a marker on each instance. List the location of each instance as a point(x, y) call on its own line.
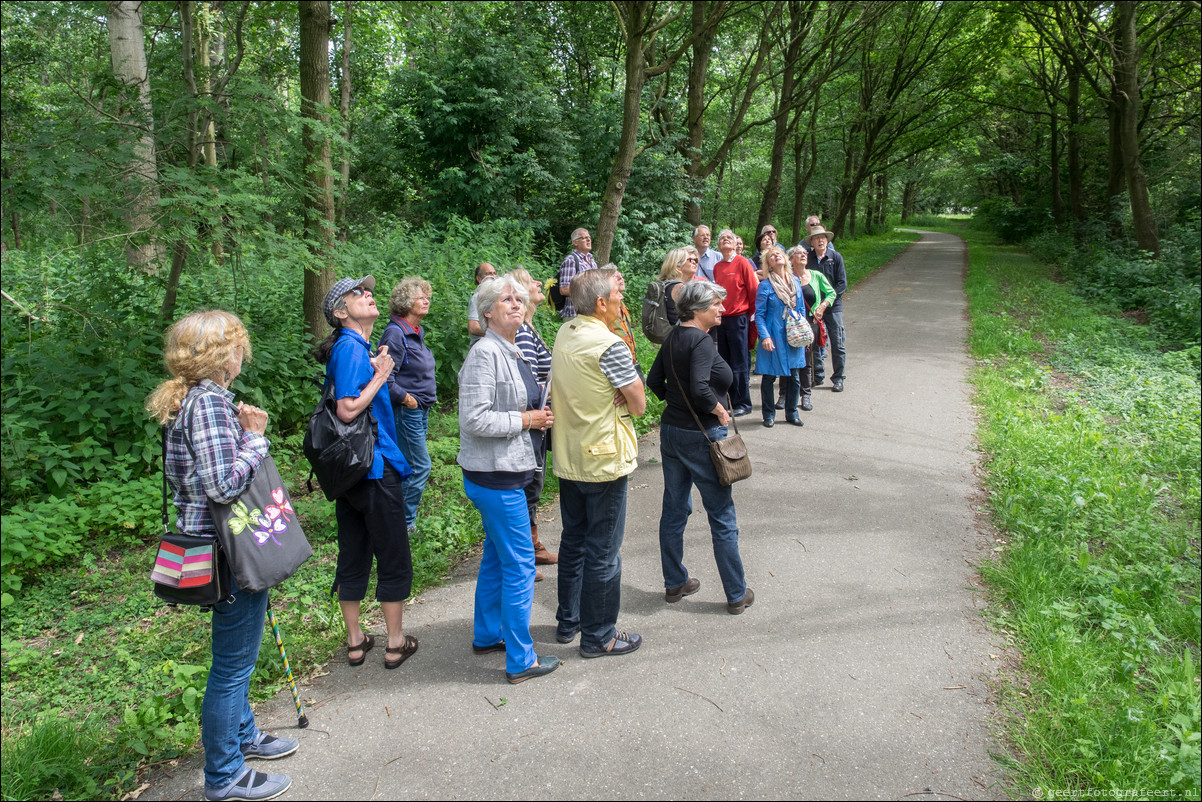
point(302, 720)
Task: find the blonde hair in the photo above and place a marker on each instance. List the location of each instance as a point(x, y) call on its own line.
point(405, 294)
point(673, 262)
point(197, 347)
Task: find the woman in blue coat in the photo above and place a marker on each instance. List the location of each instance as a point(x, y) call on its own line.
point(774, 300)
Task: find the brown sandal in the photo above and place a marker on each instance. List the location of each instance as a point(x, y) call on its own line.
point(405, 650)
point(364, 647)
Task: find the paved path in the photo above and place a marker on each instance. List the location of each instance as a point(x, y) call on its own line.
point(860, 673)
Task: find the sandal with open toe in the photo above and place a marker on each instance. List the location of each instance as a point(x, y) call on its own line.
point(363, 648)
point(405, 650)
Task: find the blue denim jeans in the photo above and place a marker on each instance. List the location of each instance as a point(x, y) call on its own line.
point(590, 560)
point(505, 584)
point(837, 345)
point(411, 428)
point(686, 458)
point(226, 720)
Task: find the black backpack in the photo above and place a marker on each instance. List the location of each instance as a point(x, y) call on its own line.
point(656, 326)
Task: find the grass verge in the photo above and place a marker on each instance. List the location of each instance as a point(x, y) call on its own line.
point(1091, 442)
point(101, 681)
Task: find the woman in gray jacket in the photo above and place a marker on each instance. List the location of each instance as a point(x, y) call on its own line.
point(500, 418)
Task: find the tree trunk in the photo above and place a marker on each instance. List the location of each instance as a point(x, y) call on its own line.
point(344, 90)
point(208, 136)
point(1075, 190)
point(1127, 75)
point(128, 48)
point(1057, 203)
point(1117, 180)
point(319, 194)
point(703, 46)
point(781, 134)
point(802, 180)
point(636, 77)
point(909, 194)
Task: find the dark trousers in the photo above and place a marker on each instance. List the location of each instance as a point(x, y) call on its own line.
point(837, 346)
point(731, 336)
point(371, 522)
point(790, 389)
point(806, 375)
point(590, 559)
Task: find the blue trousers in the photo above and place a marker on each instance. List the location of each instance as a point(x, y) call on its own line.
point(590, 559)
point(226, 720)
point(686, 458)
point(505, 584)
point(411, 428)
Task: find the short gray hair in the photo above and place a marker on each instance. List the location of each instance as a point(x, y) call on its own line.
point(491, 291)
point(793, 251)
point(576, 234)
point(590, 285)
point(697, 296)
point(697, 230)
point(726, 231)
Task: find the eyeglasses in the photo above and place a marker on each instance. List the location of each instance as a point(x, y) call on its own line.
point(770, 231)
point(692, 259)
point(360, 291)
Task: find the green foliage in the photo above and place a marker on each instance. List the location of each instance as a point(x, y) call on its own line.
point(1092, 451)
point(1166, 292)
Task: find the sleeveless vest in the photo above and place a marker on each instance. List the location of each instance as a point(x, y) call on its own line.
point(592, 440)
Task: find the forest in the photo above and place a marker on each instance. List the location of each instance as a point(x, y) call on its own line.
point(159, 157)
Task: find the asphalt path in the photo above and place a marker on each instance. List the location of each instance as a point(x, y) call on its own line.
point(861, 672)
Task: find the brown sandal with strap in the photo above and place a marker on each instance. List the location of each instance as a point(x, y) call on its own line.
point(405, 650)
point(363, 648)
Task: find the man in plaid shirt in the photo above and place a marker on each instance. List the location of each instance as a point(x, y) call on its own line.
point(575, 263)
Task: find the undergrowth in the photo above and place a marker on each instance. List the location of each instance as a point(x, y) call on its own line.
point(1091, 437)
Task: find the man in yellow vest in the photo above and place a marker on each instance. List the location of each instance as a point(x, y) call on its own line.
point(594, 391)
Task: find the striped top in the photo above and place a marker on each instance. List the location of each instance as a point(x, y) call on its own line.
point(535, 350)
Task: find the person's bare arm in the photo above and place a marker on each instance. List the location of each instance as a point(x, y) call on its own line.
point(474, 328)
point(636, 397)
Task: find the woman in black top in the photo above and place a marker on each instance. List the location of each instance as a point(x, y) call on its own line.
point(689, 359)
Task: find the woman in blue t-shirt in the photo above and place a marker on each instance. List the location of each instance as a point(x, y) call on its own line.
point(371, 515)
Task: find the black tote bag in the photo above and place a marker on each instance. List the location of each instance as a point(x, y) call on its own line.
point(259, 532)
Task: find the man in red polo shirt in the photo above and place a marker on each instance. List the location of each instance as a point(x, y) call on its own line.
point(736, 275)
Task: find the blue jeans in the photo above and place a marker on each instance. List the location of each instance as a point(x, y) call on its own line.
point(837, 337)
point(226, 720)
point(590, 560)
point(411, 428)
point(686, 458)
point(505, 584)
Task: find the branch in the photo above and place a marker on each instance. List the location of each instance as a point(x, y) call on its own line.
point(21, 306)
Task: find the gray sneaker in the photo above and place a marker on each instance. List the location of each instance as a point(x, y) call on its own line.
point(251, 787)
point(269, 747)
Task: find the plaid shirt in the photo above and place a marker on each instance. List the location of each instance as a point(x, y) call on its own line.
point(573, 265)
point(209, 455)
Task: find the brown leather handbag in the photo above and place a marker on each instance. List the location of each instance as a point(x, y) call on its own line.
point(730, 458)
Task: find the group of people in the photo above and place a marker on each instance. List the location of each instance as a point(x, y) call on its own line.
point(807, 279)
point(518, 397)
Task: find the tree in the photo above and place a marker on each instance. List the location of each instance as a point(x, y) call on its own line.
point(128, 48)
point(640, 27)
point(319, 175)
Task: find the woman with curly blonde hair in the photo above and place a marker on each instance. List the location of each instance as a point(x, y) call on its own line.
point(213, 446)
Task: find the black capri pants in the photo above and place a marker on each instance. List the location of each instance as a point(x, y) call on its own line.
point(371, 522)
